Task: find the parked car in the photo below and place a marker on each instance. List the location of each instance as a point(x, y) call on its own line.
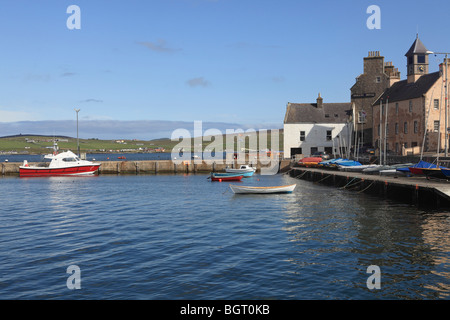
point(367, 150)
point(323, 155)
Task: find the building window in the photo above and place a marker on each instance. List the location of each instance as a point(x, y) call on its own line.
point(378, 80)
point(436, 104)
point(329, 135)
point(421, 59)
point(396, 108)
point(410, 106)
point(336, 115)
point(396, 128)
point(396, 147)
point(387, 129)
point(413, 144)
point(436, 126)
point(405, 127)
point(362, 116)
point(416, 127)
point(302, 135)
point(327, 115)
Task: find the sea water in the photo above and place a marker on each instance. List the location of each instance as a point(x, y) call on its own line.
point(185, 237)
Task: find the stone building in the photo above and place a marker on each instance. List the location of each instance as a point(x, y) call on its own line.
point(311, 127)
point(377, 77)
point(412, 115)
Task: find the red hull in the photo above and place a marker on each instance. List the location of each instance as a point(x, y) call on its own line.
point(417, 171)
point(237, 178)
point(42, 172)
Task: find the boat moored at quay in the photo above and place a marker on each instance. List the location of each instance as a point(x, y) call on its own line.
point(61, 164)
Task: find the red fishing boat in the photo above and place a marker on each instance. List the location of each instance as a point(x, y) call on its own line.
point(61, 164)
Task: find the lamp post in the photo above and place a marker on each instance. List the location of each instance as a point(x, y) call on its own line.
point(78, 141)
point(446, 98)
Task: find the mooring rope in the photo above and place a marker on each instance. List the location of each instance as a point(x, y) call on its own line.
point(323, 179)
point(354, 184)
point(301, 175)
point(367, 187)
point(350, 183)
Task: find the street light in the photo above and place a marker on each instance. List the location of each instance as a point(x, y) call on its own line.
point(446, 98)
point(78, 141)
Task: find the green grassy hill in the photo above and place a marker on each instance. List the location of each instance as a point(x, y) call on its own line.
point(35, 144)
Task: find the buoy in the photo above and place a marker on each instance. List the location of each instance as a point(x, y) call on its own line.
point(220, 180)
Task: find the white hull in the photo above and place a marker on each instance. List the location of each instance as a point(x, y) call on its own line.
point(263, 190)
point(389, 172)
point(239, 170)
point(356, 168)
point(242, 169)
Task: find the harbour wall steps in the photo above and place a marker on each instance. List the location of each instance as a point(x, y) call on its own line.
point(415, 190)
point(157, 166)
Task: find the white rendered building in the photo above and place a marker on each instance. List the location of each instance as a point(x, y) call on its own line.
point(312, 127)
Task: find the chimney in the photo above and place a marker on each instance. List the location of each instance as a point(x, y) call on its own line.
point(319, 101)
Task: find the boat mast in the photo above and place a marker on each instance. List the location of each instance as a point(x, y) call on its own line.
point(439, 129)
point(385, 130)
point(446, 106)
point(381, 132)
point(55, 147)
point(426, 125)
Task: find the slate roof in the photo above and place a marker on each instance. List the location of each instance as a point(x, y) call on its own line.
point(416, 48)
point(309, 113)
point(402, 90)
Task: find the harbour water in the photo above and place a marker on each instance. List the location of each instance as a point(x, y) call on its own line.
point(185, 237)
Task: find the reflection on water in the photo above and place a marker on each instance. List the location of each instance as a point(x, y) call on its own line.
point(435, 230)
point(345, 233)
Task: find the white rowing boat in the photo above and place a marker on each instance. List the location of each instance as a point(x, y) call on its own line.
point(263, 190)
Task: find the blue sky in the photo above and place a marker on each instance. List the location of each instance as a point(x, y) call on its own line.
point(232, 61)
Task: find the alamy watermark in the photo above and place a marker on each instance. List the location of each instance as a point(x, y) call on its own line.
point(74, 20)
point(74, 280)
point(241, 147)
point(374, 21)
point(374, 281)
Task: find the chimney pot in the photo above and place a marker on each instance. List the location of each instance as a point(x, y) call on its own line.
point(319, 101)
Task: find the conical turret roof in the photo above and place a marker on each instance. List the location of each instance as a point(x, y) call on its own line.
point(417, 48)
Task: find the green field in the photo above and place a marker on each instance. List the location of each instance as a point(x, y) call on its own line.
point(34, 144)
point(41, 144)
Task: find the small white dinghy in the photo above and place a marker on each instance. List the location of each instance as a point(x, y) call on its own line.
point(263, 190)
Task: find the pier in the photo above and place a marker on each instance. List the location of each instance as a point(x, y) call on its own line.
point(415, 190)
point(155, 167)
